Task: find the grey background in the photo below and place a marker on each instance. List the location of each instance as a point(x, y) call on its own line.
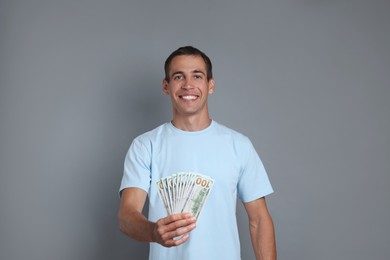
point(307, 81)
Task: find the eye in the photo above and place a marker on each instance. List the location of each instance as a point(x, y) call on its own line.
point(178, 77)
point(198, 76)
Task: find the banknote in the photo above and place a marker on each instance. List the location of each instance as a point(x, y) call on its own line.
point(184, 192)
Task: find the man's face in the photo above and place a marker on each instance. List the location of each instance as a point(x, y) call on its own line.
point(188, 86)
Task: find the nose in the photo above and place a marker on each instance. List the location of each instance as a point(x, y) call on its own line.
point(187, 84)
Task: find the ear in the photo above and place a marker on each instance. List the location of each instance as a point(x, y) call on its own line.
point(211, 86)
point(165, 87)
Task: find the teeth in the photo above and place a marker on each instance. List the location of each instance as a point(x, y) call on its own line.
point(189, 97)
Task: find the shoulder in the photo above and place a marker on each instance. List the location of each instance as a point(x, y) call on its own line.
point(144, 143)
point(240, 143)
point(233, 134)
point(151, 136)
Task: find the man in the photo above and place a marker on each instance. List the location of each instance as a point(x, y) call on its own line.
point(192, 142)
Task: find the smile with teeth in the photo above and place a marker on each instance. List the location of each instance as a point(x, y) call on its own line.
point(189, 97)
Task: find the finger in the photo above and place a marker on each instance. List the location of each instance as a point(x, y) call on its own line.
point(180, 224)
point(177, 242)
point(178, 232)
point(167, 232)
point(174, 217)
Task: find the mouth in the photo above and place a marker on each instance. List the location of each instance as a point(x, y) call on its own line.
point(188, 97)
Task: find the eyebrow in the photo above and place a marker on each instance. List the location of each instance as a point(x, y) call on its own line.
point(199, 71)
point(194, 71)
point(176, 73)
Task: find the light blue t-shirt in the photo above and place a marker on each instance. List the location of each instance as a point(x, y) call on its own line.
point(217, 151)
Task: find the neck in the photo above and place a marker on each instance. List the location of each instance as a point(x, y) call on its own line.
point(191, 124)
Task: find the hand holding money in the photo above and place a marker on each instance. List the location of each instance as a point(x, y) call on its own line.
point(173, 230)
point(183, 196)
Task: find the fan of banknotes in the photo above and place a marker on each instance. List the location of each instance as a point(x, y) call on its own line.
point(184, 192)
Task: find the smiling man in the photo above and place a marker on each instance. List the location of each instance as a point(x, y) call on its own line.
point(192, 144)
point(188, 86)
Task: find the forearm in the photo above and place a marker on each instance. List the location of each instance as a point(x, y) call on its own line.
point(136, 226)
point(263, 238)
point(169, 231)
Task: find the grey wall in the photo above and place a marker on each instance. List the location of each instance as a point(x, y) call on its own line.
point(307, 81)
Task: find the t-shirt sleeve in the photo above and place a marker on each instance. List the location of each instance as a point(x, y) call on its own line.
point(254, 182)
point(137, 165)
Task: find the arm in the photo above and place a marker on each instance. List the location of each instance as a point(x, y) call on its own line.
point(261, 229)
point(134, 224)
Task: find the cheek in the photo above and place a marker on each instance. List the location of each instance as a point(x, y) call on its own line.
point(174, 88)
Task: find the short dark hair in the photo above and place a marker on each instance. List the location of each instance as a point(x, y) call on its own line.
point(191, 51)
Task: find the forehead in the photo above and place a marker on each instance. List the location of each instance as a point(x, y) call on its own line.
point(187, 63)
